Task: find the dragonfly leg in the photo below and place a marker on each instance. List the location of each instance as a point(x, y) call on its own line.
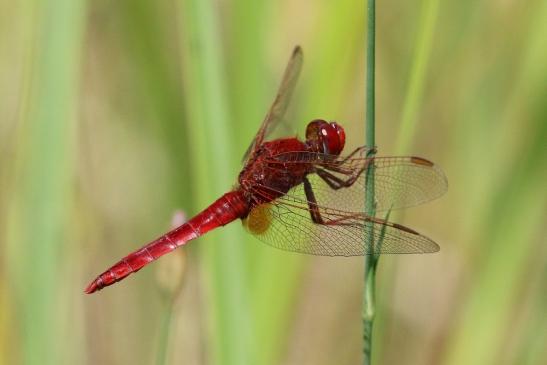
point(370, 151)
point(312, 203)
point(335, 182)
point(337, 166)
point(316, 214)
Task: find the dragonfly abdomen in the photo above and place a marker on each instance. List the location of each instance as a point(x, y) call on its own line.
point(226, 209)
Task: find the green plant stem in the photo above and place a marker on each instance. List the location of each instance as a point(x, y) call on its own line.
point(163, 343)
point(370, 81)
point(370, 260)
point(368, 306)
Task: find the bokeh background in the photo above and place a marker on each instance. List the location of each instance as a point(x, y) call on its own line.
point(115, 114)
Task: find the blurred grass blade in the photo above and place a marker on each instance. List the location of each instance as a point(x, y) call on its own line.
point(488, 306)
point(416, 82)
point(214, 173)
point(513, 215)
point(150, 48)
point(409, 121)
point(42, 181)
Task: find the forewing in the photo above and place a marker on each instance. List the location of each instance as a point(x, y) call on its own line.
point(286, 224)
point(278, 109)
point(400, 182)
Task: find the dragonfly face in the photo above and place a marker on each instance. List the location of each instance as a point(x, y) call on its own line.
point(324, 137)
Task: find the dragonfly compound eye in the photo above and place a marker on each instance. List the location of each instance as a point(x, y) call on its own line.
point(323, 137)
point(341, 134)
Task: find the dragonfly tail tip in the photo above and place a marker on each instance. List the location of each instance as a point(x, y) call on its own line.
point(92, 288)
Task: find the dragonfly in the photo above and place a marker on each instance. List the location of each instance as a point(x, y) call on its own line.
point(305, 196)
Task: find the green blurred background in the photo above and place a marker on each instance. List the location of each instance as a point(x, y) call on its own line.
point(114, 114)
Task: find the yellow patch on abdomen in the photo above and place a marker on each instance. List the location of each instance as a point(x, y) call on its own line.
point(259, 219)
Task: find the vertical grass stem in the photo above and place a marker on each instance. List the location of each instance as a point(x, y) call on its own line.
point(370, 260)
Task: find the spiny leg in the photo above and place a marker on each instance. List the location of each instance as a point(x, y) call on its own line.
point(316, 214)
point(312, 203)
point(336, 166)
point(335, 182)
point(347, 171)
point(358, 149)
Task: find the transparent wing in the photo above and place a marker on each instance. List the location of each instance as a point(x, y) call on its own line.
point(279, 107)
point(286, 224)
point(400, 181)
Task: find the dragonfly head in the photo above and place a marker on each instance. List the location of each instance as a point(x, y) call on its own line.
point(324, 137)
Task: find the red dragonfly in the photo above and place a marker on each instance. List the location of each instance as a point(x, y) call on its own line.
point(303, 196)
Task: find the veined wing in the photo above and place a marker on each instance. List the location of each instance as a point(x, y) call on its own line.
point(400, 181)
point(279, 107)
point(286, 223)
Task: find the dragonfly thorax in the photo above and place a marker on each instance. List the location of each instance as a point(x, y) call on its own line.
point(271, 171)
